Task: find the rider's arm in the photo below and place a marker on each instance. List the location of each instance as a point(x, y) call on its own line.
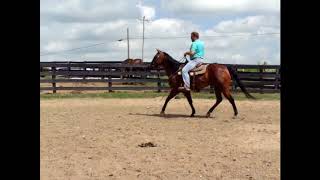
point(190, 53)
point(192, 50)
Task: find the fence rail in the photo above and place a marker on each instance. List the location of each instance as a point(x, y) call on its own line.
point(115, 76)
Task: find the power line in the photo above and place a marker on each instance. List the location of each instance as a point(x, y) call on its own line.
point(233, 35)
point(172, 37)
point(76, 56)
point(74, 49)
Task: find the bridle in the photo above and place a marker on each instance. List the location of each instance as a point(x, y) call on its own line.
point(180, 60)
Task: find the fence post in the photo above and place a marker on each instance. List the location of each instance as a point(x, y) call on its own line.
point(122, 72)
point(145, 70)
point(234, 84)
point(109, 79)
point(53, 79)
point(69, 69)
point(110, 83)
point(102, 69)
point(84, 76)
point(261, 78)
point(159, 82)
point(276, 86)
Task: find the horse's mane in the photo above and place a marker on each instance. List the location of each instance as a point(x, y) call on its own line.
point(174, 62)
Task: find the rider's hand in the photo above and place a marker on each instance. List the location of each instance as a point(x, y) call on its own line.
point(185, 54)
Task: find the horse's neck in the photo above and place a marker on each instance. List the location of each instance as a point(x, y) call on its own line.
point(170, 68)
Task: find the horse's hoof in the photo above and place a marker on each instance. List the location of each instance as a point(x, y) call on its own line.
point(192, 115)
point(162, 113)
point(208, 115)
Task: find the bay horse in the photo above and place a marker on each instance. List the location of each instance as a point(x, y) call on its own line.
point(216, 75)
point(132, 62)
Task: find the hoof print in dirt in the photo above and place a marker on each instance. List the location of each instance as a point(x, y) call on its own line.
point(148, 144)
point(235, 117)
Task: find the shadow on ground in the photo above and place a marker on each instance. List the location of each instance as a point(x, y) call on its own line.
point(170, 115)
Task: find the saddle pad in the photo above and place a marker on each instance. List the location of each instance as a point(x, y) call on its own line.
point(196, 71)
point(199, 68)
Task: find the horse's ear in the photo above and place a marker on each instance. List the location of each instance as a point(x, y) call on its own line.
point(158, 50)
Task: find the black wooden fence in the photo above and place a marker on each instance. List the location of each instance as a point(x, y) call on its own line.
point(117, 76)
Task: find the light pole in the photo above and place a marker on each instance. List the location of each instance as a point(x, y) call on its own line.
point(143, 36)
point(127, 42)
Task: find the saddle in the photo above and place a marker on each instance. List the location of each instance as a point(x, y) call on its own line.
point(199, 69)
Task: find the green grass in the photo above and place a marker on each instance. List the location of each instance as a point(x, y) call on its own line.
point(256, 70)
point(149, 94)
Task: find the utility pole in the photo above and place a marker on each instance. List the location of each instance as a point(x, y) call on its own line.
point(128, 42)
point(143, 20)
point(143, 35)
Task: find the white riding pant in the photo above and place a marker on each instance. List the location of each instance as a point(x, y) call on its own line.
point(185, 71)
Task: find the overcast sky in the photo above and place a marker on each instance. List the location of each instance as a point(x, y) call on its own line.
point(231, 25)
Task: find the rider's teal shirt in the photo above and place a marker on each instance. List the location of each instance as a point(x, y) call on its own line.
point(197, 46)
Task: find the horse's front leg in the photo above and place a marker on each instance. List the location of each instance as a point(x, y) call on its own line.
point(172, 94)
point(188, 96)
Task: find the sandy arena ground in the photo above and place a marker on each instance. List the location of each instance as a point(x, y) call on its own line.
point(98, 139)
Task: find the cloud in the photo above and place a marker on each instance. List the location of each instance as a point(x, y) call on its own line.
point(237, 57)
point(251, 49)
point(252, 24)
point(170, 27)
point(221, 6)
point(222, 49)
point(58, 34)
point(71, 11)
point(148, 12)
point(56, 46)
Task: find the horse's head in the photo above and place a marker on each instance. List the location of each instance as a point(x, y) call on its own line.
point(158, 59)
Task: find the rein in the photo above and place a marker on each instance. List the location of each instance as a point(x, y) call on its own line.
point(183, 58)
point(180, 61)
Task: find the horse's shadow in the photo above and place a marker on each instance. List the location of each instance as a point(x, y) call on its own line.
point(169, 115)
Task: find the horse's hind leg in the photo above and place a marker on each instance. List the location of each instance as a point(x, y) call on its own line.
point(188, 96)
point(227, 94)
point(172, 94)
point(218, 101)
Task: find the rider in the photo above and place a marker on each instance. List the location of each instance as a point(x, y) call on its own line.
point(196, 54)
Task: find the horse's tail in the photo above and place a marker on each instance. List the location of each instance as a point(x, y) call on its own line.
point(234, 74)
